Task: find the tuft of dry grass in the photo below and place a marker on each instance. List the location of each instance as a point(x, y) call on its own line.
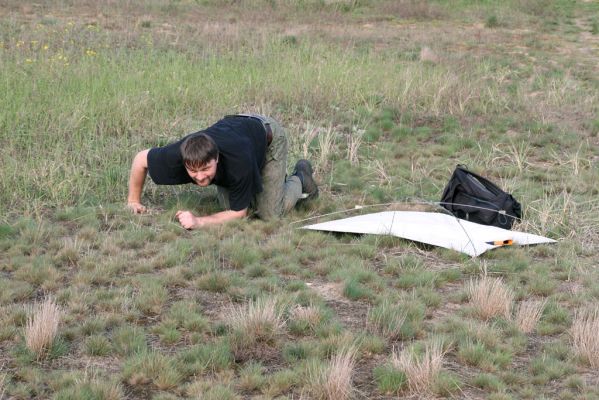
point(42, 326)
point(584, 336)
point(260, 320)
point(528, 314)
point(327, 137)
point(2, 384)
point(354, 141)
point(422, 371)
point(334, 381)
point(311, 315)
point(491, 297)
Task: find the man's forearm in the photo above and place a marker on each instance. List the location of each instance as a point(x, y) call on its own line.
point(221, 217)
point(139, 170)
point(190, 221)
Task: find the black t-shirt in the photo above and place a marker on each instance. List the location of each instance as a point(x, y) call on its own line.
point(241, 146)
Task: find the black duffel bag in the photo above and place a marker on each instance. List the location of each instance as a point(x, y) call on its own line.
point(473, 198)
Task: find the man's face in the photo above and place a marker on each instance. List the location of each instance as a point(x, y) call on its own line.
point(205, 174)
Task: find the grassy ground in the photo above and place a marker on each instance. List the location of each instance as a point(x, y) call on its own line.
point(386, 97)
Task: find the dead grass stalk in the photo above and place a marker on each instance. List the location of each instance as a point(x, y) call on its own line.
point(311, 315)
point(42, 326)
point(528, 314)
point(259, 319)
point(334, 382)
point(584, 336)
point(491, 297)
point(420, 371)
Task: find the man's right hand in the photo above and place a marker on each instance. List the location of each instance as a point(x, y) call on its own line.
point(136, 207)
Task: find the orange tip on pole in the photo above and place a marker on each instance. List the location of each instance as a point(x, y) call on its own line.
point(507, 242)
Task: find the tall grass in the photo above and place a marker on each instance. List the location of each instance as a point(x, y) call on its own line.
point(72, 116)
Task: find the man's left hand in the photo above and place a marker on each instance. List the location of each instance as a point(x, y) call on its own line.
point(187, 219)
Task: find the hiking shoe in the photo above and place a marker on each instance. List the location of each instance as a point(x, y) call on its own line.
point(303, 170)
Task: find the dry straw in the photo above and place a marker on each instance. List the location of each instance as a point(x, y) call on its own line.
point(42, 326)
point(585, 339)
point(491, 297)
point(528, 314)
point(310, 315)
point(421, 371)
point(334, 381)
point(2, 385)
point(260, 319)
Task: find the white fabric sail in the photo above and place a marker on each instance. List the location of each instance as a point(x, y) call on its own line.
point(432, 228)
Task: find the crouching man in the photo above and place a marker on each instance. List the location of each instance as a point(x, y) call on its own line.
point(244, 155)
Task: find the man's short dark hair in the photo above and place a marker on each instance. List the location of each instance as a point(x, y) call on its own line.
point(198, 150)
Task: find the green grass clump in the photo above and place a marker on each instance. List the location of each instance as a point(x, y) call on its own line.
point(488, 381)
point(252, 377)
point(389, 379)
point(151, 368)
point(220, 392)
point(354, 290)
point(98, 345)
point(151, 297)
point(386, 319)
point(216, 281)
point(281, 382)
point(167, 332)
point(129, 340)
point(91, 389)
point(547, 368)
point(205, 357)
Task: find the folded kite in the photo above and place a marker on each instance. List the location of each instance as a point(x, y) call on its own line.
point(432, 228)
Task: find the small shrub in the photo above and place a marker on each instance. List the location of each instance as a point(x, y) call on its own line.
point(421, 371)
point(491, 297)
point(42, 327)
point(585, 337)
